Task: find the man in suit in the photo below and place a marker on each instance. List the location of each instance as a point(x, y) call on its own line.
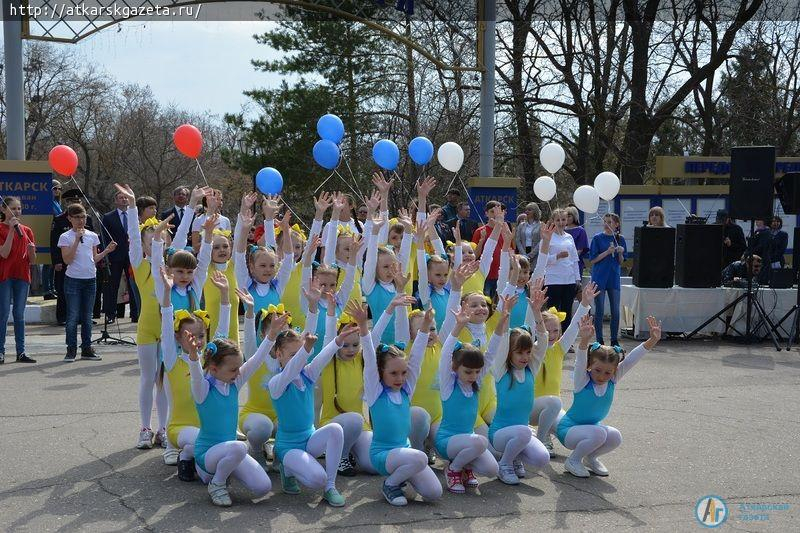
point(59, 225)
point(466, 225)
point(180, 197)
point(116, 223)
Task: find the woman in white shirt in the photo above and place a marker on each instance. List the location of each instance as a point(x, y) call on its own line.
point(559, 265)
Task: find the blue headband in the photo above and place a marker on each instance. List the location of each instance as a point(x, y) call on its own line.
point(211, 348)
point(383, 348)
point(457, 346)
point(526, 327)
point(596, 345)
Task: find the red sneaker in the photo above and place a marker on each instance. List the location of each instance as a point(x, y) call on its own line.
point(454, 481)
point(469, 479)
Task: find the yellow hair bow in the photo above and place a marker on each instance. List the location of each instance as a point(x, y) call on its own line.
point(450, 244)
point(560, 315)
point(344, 230)
point(393, 221)
point(415, 313)
point(183, 314)
point(473, 245)
point(344, 319)
point(277, 309)
point(272, 309)
point(295, 227)
point(151, 222)
point(223, 232)
point(488, 300)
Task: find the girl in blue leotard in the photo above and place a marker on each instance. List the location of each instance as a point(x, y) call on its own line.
point(215, 389)
point(462, 368)
point(389, 382)
point(514, 374)
point(297, 442)
point(596, 376)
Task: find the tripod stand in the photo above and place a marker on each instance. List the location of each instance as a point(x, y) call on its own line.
point(794, 313)
point(105, 337)
point(749, 336)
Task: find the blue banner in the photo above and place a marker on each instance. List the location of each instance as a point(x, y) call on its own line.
point(34, 189)
point(482, 195)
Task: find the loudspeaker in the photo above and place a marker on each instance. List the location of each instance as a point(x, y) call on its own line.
point(796, 250)
point(653, 257)
point(752, 183)
point(788, 191)
point(698, 255)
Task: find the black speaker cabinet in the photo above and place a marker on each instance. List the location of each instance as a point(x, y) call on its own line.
point(698, 255)
point(653, 257)
point(796, 250)
point(788, 190)
point(752, 183)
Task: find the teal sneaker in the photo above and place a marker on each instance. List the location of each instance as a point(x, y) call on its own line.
point(289, 483)
point(333, 497)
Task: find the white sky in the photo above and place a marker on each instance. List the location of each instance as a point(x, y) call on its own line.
point(200, 66)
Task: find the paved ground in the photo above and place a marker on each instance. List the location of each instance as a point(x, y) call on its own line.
point(701, 417)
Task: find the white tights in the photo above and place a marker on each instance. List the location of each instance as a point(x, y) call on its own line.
point(303, 465)
point(352, 424)
point(148, 374)
point(258, 428)
point(404, 465)
point(471, 451)
point(546, 413)
point(421, 428)
point(517, 443)
point(186, 438)
point(591, 441)
point(230, 458)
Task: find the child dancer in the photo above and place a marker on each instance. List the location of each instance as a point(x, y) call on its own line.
point(297, 443)
point(426, 394)
point(215, 389)
point(148, 328)
point(596, 377)
point(509, 433)
point(183, 423)
point(389, 382)
point(79, 249)
point(462, 368)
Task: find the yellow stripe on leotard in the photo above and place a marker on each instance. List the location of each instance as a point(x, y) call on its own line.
point(212, 298)
point(425, 395)
point(349, 389)
point(258, 399)
point(182, 411)
point(291, 297)
point(548, 379)
point(148, 329)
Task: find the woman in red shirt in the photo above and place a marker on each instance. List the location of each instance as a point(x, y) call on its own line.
point(17, 254)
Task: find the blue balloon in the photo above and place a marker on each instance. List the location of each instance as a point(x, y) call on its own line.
point(421, 150)
point(326, 154)
point(386, 154)
point(269, 181)
point(331, 128)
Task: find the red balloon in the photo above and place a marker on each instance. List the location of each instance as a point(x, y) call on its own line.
point(188, 140)
point(63, 160)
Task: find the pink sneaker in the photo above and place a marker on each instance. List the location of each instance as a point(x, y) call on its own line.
point(469, 479)
point(454, 481)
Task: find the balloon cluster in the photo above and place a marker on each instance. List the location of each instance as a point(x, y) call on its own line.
point(586, 197)
point(326, 151)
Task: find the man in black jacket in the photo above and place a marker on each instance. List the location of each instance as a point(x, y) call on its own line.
point(180, 196)
point(59, 225)
point(733, 240)
point(116, 224)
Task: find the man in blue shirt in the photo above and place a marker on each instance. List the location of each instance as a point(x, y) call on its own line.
point(48, 289)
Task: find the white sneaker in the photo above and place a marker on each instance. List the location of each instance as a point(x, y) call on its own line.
point(170, 456)
point(506, 475)
point(219, 494)
point(145, 439)
point(519, 469)
point(161, 438)
point(594, 465)
point(548, 444)
point(575, 468)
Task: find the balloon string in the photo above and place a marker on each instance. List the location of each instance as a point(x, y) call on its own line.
point(201, 172)
point(294, 214)
point(455, 175)
point(96, 214)
point(400, 180)
point(325, 181)
point(348, 185)
point(355, 181)
point(477, 211)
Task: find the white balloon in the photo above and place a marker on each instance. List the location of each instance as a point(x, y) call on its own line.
point(607, 185)
point(544, 188)
point(552, 157)
point(450, 156)
point(586, 199)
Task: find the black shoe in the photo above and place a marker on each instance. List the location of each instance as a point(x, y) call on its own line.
point(89, 354)
point(2, 358)
point(135, 320)
point(71, 353)
point(22, 358)
point(346, 467)
point(49, 296)
point(110, 320)
point(61, 324)
point(186, 471)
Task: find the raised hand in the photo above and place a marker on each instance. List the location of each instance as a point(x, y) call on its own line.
point(586, 330)
point(546, 231)
point(270, 205)
point(219, 280)
point(248, 201)
point(358, 311)
point(373, 202)
point(538, 294)
point(126, 191)
point(164, 224)
point(197, 194)
point(462, 316)
point(463, 272)
point(246, 298)
point(348, 330)
point(309, 339)
point(277, 324)
point(380, 182)
point(457, 233)
point(166, 278)
point(655, 332)
point(211, 222)
point(425, 186)
point(404, 217)
point(194, 342)
point(323, 203)
point(401, 300)
point(111, 247)
point(589, 293)
point(427, 320)
point(313, 294)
